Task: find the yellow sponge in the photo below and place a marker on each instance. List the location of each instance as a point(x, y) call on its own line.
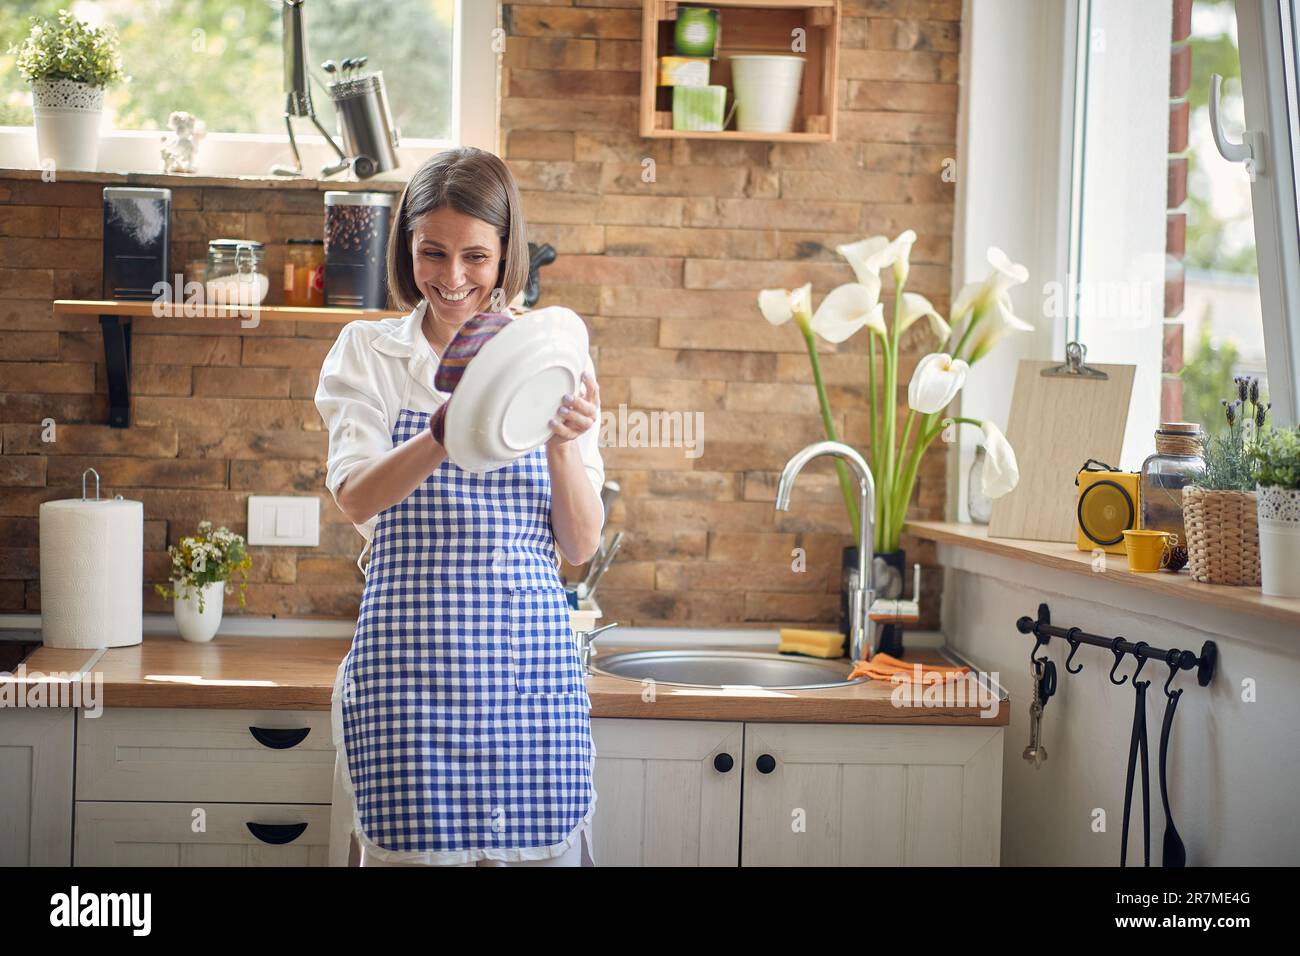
point(795, 640)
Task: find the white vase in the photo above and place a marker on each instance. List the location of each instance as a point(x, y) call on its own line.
point(1279, 541)
point(195, 626)
point(766, 90)
point(67, 118)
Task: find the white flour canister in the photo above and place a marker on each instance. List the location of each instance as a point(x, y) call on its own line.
point(92, 570)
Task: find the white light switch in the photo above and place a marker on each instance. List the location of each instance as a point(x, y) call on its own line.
point(284, 520)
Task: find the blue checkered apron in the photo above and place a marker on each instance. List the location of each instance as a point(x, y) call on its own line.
point(466, 719)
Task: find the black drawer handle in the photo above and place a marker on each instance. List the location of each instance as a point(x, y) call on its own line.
point(766, 763)
point(723, 763)
point(276, 834)
point(278, 738)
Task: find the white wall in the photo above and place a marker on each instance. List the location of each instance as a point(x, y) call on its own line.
point(1234, 767)
point(1009, 185)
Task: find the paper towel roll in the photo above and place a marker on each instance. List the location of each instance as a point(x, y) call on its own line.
point(92, 572)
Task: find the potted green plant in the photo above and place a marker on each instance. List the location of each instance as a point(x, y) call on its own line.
point(980, 317)
point(69, 65)
point(202, 566)
point(1220, 509)
point(1275, 463)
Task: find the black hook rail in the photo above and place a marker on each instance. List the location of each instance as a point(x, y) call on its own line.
point(1044, 630)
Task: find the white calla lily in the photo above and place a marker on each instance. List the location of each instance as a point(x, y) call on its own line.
point(869, 256)
point(1001, 472)
point(999, 322)
point(848, 308)
point(937, 380)
point(917, 306)
point(781, 305)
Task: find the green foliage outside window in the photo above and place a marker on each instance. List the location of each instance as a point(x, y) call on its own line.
point(223, 61)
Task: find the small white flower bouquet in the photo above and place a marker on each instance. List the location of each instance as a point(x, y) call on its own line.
point(204, 559)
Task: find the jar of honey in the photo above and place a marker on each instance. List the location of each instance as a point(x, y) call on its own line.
point(304, 273)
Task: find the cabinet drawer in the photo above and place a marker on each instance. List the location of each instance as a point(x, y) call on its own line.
point(233, 756)
point(229, 834)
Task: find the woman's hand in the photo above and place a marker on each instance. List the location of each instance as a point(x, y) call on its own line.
point(577, 414)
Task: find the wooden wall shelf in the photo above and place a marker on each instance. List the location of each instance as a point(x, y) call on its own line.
point(115, 320)
point(272, 313)
point(748, 26)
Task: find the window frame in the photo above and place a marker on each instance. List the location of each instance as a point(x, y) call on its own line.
point(474, 106)
point(1267, 40)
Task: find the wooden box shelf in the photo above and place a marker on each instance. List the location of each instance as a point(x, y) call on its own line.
point(748, 26)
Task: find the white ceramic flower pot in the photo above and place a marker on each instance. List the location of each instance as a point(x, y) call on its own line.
point(67, 118)
point(1279, 541)
point(195, 626)
point(766, 90)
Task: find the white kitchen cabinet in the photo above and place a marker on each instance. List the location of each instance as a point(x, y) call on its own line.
point(36, 761)
point(202, 787)
point(112, 833)
point(871, 795)
point(832, 794)
point(663, 797)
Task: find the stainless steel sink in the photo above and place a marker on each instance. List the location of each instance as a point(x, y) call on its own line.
point(718, 667)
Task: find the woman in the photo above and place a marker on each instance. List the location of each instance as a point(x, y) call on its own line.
point(460, 713)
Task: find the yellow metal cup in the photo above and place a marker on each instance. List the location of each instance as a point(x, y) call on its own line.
point(1148, 550)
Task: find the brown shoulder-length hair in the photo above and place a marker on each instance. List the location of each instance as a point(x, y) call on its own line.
point(471, 181)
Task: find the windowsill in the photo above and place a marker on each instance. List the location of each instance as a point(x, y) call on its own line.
point(181, 179)
point(1190, 597)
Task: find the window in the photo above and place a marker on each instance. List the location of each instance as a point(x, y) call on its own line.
point(223, 62)
point(1180, 254)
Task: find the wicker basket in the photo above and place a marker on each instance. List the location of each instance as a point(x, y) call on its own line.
point(1222, 536)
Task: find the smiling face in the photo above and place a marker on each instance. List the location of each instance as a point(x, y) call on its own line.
point(456, 261)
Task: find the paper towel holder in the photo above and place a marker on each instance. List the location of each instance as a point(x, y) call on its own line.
point(89, 471)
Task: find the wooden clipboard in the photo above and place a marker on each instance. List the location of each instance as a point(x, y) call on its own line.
point(1058, 421)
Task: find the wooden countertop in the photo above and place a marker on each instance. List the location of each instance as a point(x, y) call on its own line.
point(1249, 601)
point(298, 674)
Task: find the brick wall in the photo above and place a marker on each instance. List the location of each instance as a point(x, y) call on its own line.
point(665, 274)
point(218, 412)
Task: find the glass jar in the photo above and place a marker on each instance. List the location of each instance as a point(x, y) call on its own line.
point(978, 503)
point(1166, 473)
point(236, 273)
point(304, 273)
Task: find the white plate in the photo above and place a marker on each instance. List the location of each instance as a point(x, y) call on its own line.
point(512, 388)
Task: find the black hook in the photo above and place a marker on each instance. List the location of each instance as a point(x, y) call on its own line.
point(1071, 636)
point(1137, 652)
point(1039, 641)
point(1174, 659)
point(1119, 656)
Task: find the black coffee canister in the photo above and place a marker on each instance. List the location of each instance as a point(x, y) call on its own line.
point(356, 247)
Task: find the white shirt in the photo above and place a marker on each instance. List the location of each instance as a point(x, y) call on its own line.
point(375, 369)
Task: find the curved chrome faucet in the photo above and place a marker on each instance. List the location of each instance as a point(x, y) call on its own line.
point(860, 598)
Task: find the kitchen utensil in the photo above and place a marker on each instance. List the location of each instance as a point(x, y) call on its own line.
point(1036, 753)
point(366, 123)
point(1056, 419)
point(347, 69)
point(505, 398)
point(588, 587)
point(1138, 743)
point(297, 89)
point(1148, 551)
point(361, 61)
point(1175, 854)
point(330, 67)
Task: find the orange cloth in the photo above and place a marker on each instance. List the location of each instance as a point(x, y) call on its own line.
point(884, 667)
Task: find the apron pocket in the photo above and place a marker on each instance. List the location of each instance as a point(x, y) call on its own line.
point(543, 657)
